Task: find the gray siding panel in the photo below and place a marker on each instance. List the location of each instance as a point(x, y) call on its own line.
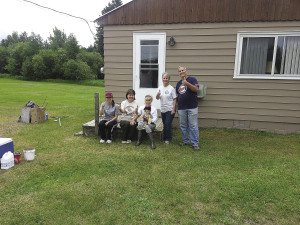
point(208, 51)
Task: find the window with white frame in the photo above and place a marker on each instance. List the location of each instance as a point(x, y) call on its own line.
point(268, 55)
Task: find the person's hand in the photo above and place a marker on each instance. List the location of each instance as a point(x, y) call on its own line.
point(158, 94)
point(107, 123)
point(132, 122)
point(173, 112)
point(184, 81)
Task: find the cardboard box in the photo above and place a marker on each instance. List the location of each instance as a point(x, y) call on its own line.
point(6, 144)
point(37, 115)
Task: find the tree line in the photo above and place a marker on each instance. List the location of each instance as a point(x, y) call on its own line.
point(59, 57)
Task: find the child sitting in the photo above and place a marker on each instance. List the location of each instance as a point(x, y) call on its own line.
point(146, 118)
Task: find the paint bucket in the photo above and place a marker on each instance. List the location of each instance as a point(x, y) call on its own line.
point(17, 156)
point(29, 154)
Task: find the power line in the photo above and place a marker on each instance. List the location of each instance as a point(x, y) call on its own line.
point(77, 17)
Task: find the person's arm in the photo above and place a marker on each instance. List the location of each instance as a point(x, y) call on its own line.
point(101, 110)
point(173, 93)
point(174, 106)
point(154, 114)
point(158, 94)
point(192, 87)
point(122, 107)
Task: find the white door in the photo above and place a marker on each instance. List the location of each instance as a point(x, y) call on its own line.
point(149, 52)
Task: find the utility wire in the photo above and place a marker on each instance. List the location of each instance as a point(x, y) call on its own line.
point(77, 17)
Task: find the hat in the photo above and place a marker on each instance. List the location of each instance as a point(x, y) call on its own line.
point(108, 95)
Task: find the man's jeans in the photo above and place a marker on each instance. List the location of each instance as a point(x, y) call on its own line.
point(188, 120)
point(167, 119)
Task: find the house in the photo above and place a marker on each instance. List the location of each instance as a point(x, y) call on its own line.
point(247, 52)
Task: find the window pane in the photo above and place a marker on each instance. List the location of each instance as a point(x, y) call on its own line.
point(149, 42)
point(149, 54)
point(288, 55)
point(257, 55)
point(149, 78)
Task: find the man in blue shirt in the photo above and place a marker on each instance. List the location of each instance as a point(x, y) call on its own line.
point(187, 101)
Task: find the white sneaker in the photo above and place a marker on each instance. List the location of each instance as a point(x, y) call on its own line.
point(128, 141)
point(102, 141)
point(167, 142)
point(124, 142)
point(108, 141)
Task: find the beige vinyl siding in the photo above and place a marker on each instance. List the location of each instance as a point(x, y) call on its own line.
point(208, 51)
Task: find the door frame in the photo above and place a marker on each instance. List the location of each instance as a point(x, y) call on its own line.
point(137, 37)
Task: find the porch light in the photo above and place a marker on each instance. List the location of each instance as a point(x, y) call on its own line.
point(172, 41)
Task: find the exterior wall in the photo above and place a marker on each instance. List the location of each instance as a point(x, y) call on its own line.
point(208, 51)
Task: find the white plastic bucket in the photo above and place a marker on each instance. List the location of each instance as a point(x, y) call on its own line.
point(29, 154)
point(7, 160)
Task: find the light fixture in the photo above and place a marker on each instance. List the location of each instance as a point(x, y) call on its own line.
point(172, 41)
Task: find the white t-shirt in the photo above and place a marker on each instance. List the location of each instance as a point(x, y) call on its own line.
point(129, 108)
point(167, 95)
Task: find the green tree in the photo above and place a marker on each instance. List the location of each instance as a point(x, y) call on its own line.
point(99, 44)
point(58, 39)
point(71, 46)
point(10, 39)
point(111, 5)
point(18, 53)
point(3, 58)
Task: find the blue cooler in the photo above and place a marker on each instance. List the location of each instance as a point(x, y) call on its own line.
point(6, 144)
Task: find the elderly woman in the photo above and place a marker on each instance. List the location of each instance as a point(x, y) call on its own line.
point(128, 109)
point(167, 96)
point(109, 111)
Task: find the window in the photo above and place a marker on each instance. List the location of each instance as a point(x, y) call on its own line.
point(268, 56)
point(149, 64)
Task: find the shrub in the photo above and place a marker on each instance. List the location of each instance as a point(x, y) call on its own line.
point(77, 70)
point(93, 59)
point(27, 70)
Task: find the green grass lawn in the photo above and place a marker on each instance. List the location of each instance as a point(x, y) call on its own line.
point(238, 177)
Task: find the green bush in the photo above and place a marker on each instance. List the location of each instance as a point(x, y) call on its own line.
point(93, 59)
point(77, 70)
point(18, 53)
point(48, 64)
point(27, 70)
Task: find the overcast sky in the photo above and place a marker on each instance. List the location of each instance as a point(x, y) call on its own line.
point(20, 16)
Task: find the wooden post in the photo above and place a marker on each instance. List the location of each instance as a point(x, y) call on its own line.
point(96, 96)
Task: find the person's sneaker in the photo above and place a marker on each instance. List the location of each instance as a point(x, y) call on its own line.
point(167, 142)
point(196, 147)
point(182, 144)
point(128, 141)
point(108, 141)
point(102, 141)
point(124, 142)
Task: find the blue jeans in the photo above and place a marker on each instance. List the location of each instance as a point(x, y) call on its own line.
point(167, 119)
point(188, 120)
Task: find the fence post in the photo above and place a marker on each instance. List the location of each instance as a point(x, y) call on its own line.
point(96, 96)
